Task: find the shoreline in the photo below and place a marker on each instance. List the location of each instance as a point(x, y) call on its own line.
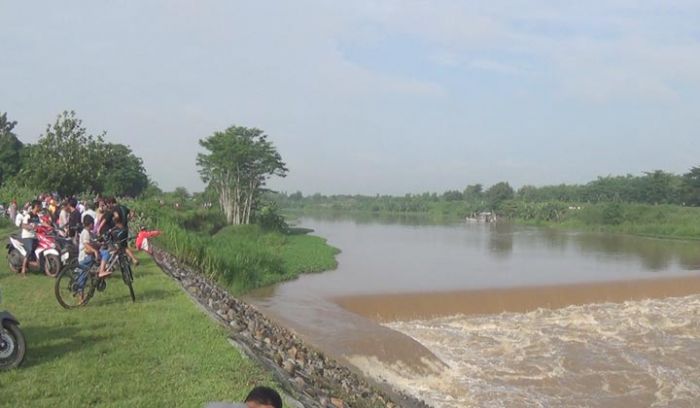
point(385, 308)
point(307, 375)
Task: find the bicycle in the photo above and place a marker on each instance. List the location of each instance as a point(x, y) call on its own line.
point(75, 287)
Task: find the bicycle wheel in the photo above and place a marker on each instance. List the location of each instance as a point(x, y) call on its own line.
point(73, 288)
point(128, 277)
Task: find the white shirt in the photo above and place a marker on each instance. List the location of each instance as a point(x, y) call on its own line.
point(84, 239)
point(63, 218)
point(18, 219)
point(27, 233)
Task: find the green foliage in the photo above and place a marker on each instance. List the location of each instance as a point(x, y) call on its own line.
point(269, 219)
point(690, 187)
point(499, 193)
point(241, 257)
point(13, 190)
point(613, 214)
point(10, 150)
point(237, 165)
point(68, 160)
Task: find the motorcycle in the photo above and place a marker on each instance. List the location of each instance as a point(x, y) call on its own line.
point(47, 254)
point(12, 343)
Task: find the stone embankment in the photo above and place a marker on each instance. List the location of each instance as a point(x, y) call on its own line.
point(310, 377)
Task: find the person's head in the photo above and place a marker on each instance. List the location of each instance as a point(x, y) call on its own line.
point(72, 203)
point(263, 397)
point(35, 206)
point(117, 218)
point(88, 221)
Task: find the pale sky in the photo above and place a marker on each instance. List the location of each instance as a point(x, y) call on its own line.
point(369, 96)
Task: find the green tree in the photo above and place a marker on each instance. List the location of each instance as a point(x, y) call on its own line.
point(237, 165)
point(122, 173)
point(68, 160)
point(498, 193)
point(691, 187)
point(10, 150)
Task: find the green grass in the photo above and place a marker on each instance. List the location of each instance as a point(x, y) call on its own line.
point(279, 257)
point(161, 351)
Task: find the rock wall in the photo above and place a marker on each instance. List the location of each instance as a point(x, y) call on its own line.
point(306, 374)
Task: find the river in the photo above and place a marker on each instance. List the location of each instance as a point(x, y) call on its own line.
point(478, 315)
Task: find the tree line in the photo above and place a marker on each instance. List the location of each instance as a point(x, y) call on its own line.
point(654, 187)
point(68, 160)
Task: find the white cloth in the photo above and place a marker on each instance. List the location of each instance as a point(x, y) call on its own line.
point(27, 233)
point(85, 238)
point(18, 219)
point(63, 218)
point(89, 212)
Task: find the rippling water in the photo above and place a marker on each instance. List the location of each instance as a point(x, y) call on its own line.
point(632, 354)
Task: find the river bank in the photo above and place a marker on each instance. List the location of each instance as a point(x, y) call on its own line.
point(308, 375)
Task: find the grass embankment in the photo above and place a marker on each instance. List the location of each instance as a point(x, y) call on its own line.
point(161, 351)
point(240, 257)
point(246, 257)
point(660, 221)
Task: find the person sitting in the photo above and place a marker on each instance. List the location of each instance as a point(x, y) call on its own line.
point(258, 397)
point(119, 236)
point(87, 253)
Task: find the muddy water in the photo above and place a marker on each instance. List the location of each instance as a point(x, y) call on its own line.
point(500, 315)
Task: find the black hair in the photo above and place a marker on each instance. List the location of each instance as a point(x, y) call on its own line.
point(73, 202)
point(35, 203)
point(264, 395)
point(88, 220)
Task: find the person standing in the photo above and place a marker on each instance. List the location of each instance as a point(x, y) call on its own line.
point(12, 210)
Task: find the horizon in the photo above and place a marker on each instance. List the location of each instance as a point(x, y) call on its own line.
point(370, 97)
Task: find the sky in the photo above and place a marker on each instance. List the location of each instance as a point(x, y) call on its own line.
point(370, 97)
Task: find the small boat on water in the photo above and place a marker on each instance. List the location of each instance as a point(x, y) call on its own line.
point(482, 217)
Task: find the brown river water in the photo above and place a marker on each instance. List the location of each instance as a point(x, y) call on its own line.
point(474, 315)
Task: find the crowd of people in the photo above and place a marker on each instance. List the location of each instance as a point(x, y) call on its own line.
point(83, 221)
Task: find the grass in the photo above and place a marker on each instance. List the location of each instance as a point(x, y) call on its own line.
point(161, 351)
point(286, 256)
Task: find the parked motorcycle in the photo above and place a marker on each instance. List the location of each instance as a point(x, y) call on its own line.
point(12, 343)
point(47, 256)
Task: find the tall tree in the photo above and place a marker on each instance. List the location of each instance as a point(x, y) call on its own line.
point(237, 165)
point(68, 160)
point(10, 149)
point(498, 193)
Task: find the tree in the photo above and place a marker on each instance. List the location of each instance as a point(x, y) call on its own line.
point(122, 173)
point(237, 165)
point(473, 192)
point(691, 187)
point(10, 150)
point(68, 160)
point(498, 193)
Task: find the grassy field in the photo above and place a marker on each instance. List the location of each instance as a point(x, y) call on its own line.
point(161, 351)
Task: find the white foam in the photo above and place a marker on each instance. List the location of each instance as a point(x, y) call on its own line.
point(642, 353)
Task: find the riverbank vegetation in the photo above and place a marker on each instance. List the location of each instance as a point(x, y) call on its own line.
point(258, 248)
point(241, 257)
point(160, 351)
point(654, 204)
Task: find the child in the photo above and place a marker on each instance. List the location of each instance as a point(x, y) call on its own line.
point(86, 251)
point(142, 243)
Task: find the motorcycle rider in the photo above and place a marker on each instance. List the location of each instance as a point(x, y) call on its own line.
point(29, 222)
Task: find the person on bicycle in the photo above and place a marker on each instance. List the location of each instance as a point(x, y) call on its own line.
point(88, 253)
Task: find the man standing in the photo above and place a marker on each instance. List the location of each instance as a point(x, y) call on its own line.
point(12, 211)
